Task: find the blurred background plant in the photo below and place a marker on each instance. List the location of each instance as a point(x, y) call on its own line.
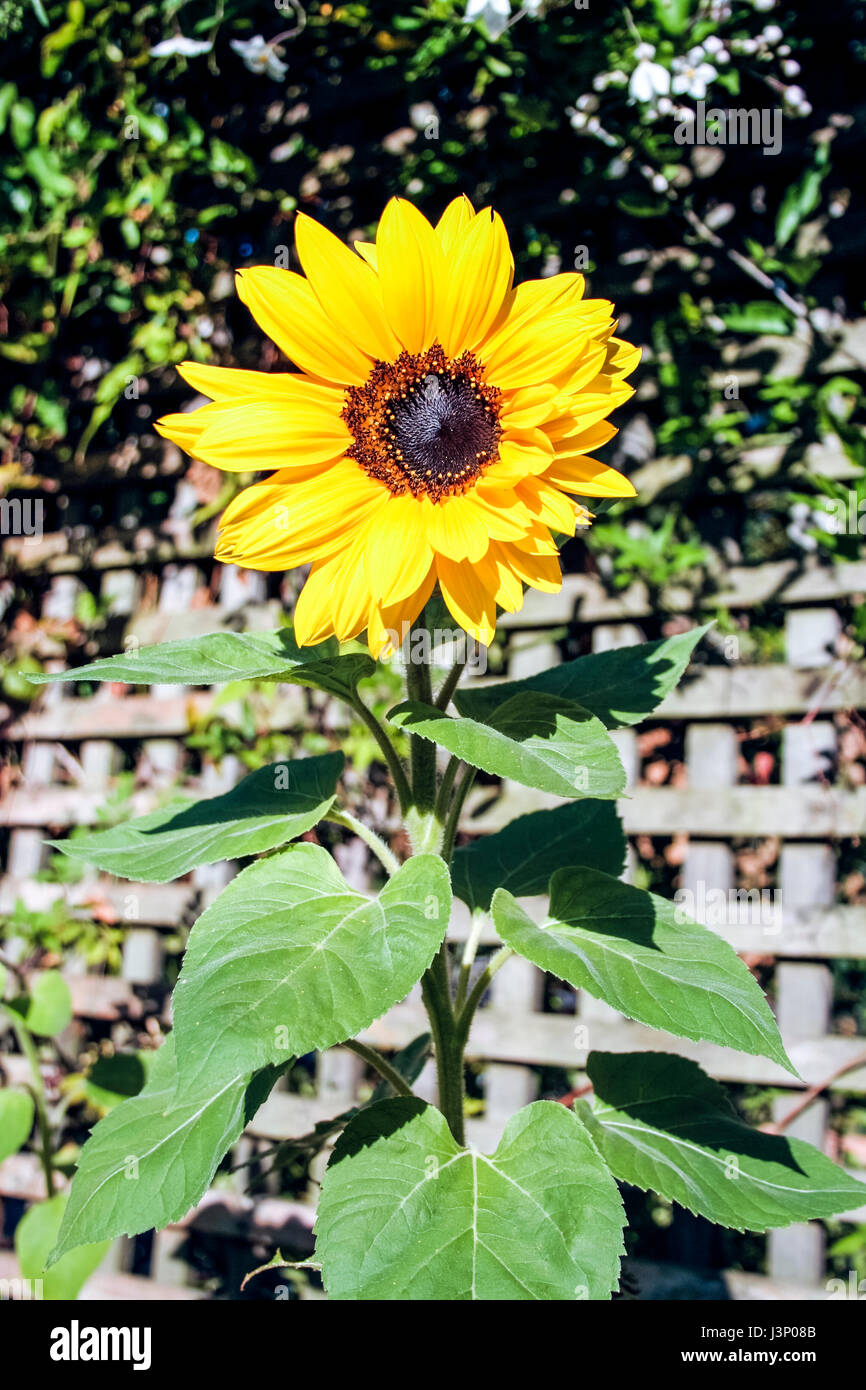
point(150, 150)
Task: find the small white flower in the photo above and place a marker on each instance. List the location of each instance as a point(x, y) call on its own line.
point(796, 99)
point(763, 5)
point(644, 50)
point(649, 80)
point(692, 81)
point(772, 34)
point(713, 44)
point(791, 68)
point(659, 183)
point(183, 47)
point(495, 14)
point(259, 57)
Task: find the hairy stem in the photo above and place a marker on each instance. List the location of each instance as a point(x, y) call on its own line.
point(450, 683)
point(452, 822)
point(479, 989)
point(37, 1090)
point(422, 751)
point(389, 752)
point(447, 1046)
point(370, 838)
point(375, 1059)
point(470, 951)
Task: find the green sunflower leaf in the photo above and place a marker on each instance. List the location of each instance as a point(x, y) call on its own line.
point(273, 805)
point(641, 955)
point(35, 1236)
point(228, 656)
point(290, 959)
point(619, 687)
point(536, 739)
point(48, 1007)
point(154, 1155)
point(662, 1124)
point(16, 1120)
point(523, 856)
point(406, 1214)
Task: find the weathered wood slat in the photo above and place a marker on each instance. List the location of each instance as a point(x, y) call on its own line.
point(838, 930)
point(815, 812)
point(549, 1040)
point(714, 692)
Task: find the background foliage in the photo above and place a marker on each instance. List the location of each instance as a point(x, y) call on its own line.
point(148, 151)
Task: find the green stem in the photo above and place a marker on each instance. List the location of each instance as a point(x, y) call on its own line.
point(470, 951)
point(446, 1043)
point(425, 827)
point(422, 752)
point(370, 838)
point(452, 823)
point(389, 752)
point(445, 786)
point(375, 1059)
point(479, 989)
point(450, 683)
point(37, 1088)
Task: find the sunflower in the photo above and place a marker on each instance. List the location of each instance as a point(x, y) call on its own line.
point(438, 430)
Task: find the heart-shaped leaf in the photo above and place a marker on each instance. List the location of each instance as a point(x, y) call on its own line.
point(290, 959)
point(406, 1214)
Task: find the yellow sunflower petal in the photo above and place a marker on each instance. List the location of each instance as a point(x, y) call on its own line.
point(583, 441)
point(469, 593)
point(509, 590)
point(548, 505)
point(272, 434)
point(352, 599)
point(454, 220)
point(480, 270)
point(289, 522)
point(399, 555)
point(367, 249)
point(313, 620)
point(456, 529)
point(555, 296)
point(527, 407)
point(539, 571)
point(186, 427)
point(584, 370)
point(284, 305)
point(534, 352)
point(230, 384)
point(389, 624)
point(411, 269)
point(588, 477)
point(346, 287)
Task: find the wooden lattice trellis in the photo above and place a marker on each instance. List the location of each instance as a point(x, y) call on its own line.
point(513, 1036)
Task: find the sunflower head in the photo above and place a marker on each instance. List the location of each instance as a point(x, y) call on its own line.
point(439, 429)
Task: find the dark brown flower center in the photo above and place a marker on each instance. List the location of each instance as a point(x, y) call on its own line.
point(425, 423)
